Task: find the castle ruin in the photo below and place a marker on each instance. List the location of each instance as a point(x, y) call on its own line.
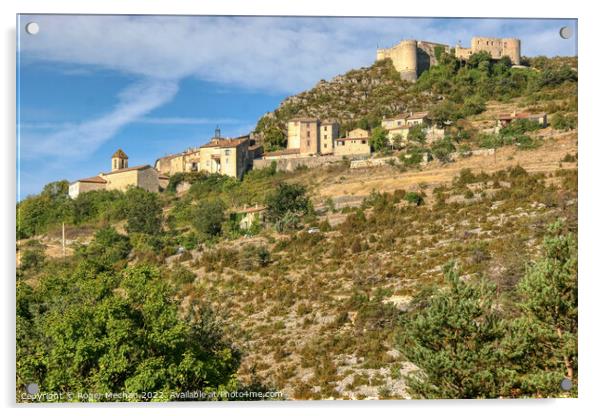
point(411, 57)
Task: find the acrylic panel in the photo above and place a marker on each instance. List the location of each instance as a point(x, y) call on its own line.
point(295, 208)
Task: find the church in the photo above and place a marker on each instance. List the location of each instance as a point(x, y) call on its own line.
point(120, 178)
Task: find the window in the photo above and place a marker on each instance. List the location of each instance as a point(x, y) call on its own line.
point(308, 133)
point(325, 145)
point(363, 142)
point(325, 128)
point(308, 143)
point(227, 152)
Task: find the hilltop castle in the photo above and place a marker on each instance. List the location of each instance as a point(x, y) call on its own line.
point(411, 57)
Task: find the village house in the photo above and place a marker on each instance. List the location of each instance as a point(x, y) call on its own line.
point(504, 119)
point(249, 215)
point(400, 125)
point(357, 143)
point(226, 156)
point(120, 178)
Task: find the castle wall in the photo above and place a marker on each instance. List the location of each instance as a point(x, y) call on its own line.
point(410, 57)
point(498, 47)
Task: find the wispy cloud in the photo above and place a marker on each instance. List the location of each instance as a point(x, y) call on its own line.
point(186, 120)
point(84, 138)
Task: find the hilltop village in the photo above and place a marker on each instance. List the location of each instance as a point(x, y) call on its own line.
point(337, 251)
point(309, 140)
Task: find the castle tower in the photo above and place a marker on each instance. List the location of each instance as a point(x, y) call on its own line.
point(119, 160)
point(407, 60)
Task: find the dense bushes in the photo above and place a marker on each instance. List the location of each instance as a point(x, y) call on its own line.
point(81, 331)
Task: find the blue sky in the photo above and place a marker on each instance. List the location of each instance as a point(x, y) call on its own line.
point(153, 85)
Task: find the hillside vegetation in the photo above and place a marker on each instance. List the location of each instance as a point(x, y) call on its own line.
point(453, 279)
point(451, 91)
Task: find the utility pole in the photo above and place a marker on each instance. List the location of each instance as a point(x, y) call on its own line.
point(63, 240)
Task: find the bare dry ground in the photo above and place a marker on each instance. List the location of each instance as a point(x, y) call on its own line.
point(361, 182)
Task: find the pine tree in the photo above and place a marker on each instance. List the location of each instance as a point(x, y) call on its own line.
point(542, 343)
point(454, 340)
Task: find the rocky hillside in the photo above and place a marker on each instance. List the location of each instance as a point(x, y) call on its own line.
point(361, 97)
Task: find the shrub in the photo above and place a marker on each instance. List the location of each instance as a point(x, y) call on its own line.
point(208, 218)
point(414, 198)
point(286, 205)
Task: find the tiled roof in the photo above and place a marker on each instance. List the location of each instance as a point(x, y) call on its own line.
point(307, 119)
point(140, 167)
point(408, 116)
point(223, 143)
point(519, 116)
point(120, 153)
point(418, 115)
point(93, 179)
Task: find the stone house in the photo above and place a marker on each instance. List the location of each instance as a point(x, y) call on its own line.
point(120, 178)
point(357, 143)
point(249, 216)
point(504, 119)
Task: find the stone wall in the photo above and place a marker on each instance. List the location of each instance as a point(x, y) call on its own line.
point(290, 164)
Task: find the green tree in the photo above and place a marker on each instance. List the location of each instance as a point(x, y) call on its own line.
point(454, 338)
point(442, 149)
point(542, 342)
point(378, 139)
point(143, 211)
point(416, 134)
point(108, 249)
point(286, 205)
point(36, 213)
point(86, 331)
point(208, 218)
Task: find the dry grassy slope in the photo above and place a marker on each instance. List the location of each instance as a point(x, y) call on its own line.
point(361, 182)
point(295, 319)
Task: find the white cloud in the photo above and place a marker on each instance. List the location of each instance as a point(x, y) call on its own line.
point(84, 138)
point(281, 54)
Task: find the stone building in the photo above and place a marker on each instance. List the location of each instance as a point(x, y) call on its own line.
point(357, 143)
point(400, 125)
point(411, 57)
point(226, 156)
point(497, 48)
point(311, 136)
point(120, 178)
point(505, 119)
